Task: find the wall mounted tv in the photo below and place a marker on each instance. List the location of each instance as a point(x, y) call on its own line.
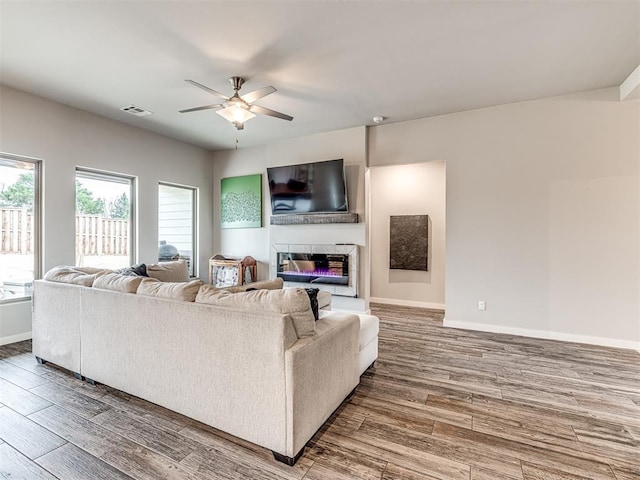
point(317, 187)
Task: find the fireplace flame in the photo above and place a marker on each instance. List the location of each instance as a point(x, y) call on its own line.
point(315, 273)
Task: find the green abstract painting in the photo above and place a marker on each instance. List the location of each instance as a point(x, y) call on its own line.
point(241, 202)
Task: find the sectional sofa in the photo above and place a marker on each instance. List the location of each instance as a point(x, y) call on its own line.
point(254, 364)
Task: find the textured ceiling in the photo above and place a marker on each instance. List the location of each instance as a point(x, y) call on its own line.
point(335, 64)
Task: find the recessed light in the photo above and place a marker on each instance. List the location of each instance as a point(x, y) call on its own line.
point(378, 119)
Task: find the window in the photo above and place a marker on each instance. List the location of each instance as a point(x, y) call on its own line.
point(177, 227)
point(105, 235)
point(20, 226)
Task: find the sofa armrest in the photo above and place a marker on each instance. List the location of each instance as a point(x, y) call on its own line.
point(56, 323)
point(321, 371)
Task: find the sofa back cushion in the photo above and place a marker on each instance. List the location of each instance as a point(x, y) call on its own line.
point(75, 275)
point(117, 282)
point(290, 301)
point(274, 284)
point(185, 291)
point(210, 294)
point(169, 271)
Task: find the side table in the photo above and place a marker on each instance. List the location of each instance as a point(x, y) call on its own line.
point(228, 271)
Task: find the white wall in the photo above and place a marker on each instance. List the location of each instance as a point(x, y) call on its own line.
point(416, 189)
point(65, 137)
point(543, 213)
point(239, 242)
point(348, 144)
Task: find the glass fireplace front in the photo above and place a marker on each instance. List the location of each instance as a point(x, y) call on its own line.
point(328, 268)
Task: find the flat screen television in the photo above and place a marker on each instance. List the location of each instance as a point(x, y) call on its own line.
point(317, 187)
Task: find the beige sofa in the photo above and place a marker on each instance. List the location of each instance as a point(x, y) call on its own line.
point(245, 371)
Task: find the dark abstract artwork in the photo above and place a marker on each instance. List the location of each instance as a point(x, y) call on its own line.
point(408, 242)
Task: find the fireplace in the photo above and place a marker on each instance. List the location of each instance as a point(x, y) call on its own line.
point(333, 268)
point(314, 268)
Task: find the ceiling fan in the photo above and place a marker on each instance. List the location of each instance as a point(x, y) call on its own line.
point(238, 109)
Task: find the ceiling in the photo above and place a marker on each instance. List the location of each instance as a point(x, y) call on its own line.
point(335, 64)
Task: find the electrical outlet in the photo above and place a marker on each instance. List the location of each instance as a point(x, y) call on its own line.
point(482, 305)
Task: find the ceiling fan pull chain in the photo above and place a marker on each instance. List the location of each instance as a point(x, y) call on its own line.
point(236, 139)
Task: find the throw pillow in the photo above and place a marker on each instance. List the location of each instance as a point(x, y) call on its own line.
point(169, 271)
point(291, 301)
point(185, 291)
point(313, 299)
point(117, 282)
point(139, 270)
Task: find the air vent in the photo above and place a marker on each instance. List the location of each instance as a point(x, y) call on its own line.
point(137, 111)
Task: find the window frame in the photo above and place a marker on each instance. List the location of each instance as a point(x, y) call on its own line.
point(195, 201)
point(13, 160)
point(132, 180)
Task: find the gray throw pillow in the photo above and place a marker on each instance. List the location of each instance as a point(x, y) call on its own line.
point(139, 270)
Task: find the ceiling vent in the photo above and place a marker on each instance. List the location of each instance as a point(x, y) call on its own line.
point(137, 111)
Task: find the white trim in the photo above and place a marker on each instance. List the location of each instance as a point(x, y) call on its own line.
point(406, 303)
point(547, 335)
point(15, 338)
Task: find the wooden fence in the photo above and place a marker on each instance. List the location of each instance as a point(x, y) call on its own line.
point(16, 235)
point(95, 235)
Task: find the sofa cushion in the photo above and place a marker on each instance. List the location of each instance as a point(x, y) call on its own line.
point(169, 271)
point(185, 291)
point(75, 275)
point(92, 270)
point(369, 327)
point(210, 294)
point(274, 284)
point(117, 282)
point(291, 301)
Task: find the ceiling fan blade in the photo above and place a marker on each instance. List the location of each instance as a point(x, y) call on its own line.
point(256, 94)
point(205, 107)
point(268, 111)
point(207, 89)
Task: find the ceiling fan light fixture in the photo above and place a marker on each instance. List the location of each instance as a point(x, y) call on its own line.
point(235, 114)
point(237, 110)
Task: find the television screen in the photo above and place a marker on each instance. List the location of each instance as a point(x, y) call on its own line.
point(317, 187)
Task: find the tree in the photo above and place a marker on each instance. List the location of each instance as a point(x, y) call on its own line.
point(20, 193)
point(118, 208)
point(85, 203)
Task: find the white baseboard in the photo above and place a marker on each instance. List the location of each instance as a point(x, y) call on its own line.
point(15, 338)
point(547, 335)
point(407, 303)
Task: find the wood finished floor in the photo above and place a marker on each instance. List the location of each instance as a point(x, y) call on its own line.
point(440, 404)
